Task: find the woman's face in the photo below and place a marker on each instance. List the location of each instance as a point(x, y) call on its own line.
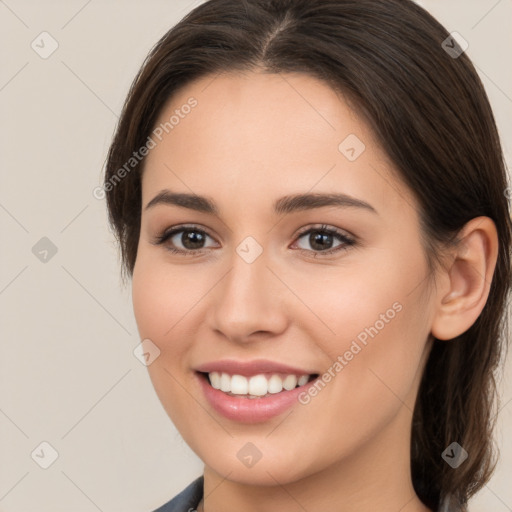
point(264, 291)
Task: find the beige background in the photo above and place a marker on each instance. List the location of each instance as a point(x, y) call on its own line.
point(68, 375)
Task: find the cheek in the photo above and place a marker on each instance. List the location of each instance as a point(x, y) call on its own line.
point(375, 316)
point(343, 302)
point(159, 303)
point(151, 304)
point(162, 297)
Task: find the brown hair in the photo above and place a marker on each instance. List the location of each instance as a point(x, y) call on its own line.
point(430, 112)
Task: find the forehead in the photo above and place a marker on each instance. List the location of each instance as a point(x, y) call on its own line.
point(259, 135)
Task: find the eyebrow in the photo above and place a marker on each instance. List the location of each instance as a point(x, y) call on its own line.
point(282, 206)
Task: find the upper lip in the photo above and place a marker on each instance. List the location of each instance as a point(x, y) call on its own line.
point(249, 368)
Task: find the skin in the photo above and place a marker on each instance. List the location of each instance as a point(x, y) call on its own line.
point(252, 139)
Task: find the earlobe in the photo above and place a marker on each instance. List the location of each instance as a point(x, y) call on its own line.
point(468, 279)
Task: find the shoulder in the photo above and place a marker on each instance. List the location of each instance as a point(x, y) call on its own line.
point(187, 500)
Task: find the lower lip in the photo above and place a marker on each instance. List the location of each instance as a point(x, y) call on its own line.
point(250, 410)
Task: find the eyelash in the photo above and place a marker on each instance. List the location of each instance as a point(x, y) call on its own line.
point(346, 240)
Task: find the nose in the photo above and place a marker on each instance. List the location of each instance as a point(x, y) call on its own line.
point(249, 303)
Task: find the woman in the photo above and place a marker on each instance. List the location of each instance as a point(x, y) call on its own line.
point(309, 197)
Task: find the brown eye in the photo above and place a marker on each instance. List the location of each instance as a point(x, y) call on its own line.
point(191, 239)
point(322, 240)
point(184, 240)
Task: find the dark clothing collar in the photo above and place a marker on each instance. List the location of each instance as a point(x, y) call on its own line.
point(187, 500)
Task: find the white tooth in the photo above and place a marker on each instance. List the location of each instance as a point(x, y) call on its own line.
point(303, 379)
point(258, 385)
point(215, 380)
point(289, 382)
point(225, 382)
point(275, 384)
point(239, 385)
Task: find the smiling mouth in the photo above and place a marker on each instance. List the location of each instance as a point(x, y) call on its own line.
point(261, 385)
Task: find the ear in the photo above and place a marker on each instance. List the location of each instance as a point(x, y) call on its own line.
point(465, 284)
